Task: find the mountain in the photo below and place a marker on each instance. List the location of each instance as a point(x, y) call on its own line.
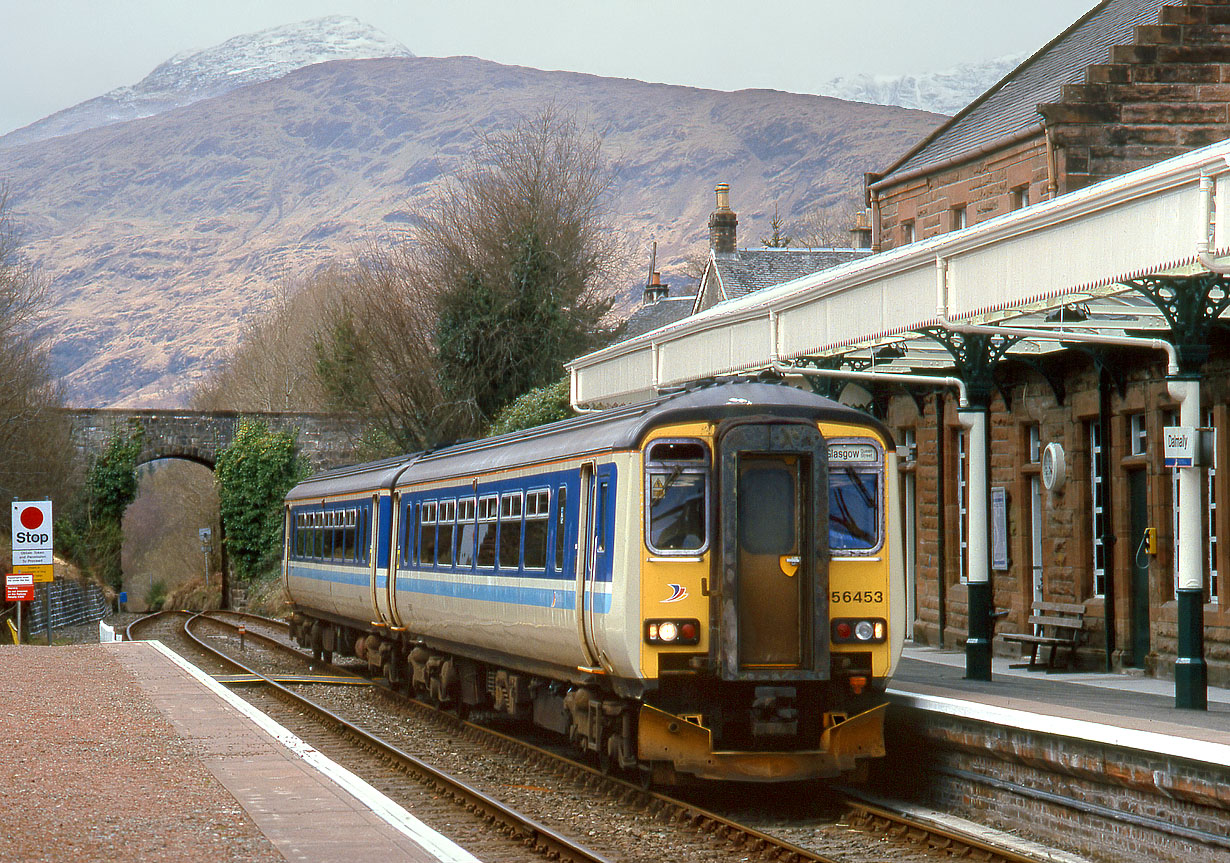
point(945, 92)
point(160, 236)
point(193, 76)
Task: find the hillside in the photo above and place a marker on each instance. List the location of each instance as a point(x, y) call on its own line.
point(160, 236)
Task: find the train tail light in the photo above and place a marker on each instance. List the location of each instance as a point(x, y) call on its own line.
point(684, 631)
point(853, 630)
point(858, 684)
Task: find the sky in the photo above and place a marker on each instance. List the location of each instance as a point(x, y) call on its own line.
point(56, 53)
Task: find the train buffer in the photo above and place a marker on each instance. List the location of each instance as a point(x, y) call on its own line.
point(1058, 625)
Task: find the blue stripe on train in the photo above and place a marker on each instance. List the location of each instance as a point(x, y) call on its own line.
point(502, 593)
point(507, 594)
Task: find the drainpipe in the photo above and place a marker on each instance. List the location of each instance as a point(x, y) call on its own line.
point(1204, 241)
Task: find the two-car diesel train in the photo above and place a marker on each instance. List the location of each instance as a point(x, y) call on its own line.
point(709, 583)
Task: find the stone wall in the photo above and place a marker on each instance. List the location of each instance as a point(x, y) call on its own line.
point(326, 440)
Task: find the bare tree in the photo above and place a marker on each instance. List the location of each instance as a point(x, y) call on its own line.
point(273, 366)
point(35, 450)
point(827, 227)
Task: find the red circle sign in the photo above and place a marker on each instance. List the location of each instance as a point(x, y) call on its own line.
point(31, 517)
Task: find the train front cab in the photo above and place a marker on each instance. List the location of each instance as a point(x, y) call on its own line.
point(769, 620)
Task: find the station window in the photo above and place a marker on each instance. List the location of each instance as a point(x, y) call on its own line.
point(1033, 436)
point(1019, 197)
point(537, 519)
point(962, 510)
point(907, 232)
point(510, 531)
point(676, 496)
point(488, 519)
point(1212, 513)
point(1097, 506)
point(1138, 434)
point(958, 217)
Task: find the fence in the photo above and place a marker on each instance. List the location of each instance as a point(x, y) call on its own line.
point(71, 603)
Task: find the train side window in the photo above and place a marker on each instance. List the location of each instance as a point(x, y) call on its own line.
point(537, 519)
point(348, 531)
point(561, 533)
point(446, 529)
point(465, 530)
point(677, 497)
point(488, 517)
point(427, 534)
point(510, 531)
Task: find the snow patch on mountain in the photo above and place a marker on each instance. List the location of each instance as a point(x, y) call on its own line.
point(191, 76)
point(945, 92)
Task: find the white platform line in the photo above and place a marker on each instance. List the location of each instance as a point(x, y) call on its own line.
point(443, 848)
point(1200, 751)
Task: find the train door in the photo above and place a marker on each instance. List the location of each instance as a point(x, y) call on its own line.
point(384, 585)
point(774, 620)
point(597, 581)
point(585, 562)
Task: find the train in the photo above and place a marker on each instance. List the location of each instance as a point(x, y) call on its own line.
point(704, 586)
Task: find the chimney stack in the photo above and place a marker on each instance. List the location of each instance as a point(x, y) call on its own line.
point(655, 290)
point(722, 223)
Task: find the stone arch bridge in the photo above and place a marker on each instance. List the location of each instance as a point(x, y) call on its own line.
point(325, 440)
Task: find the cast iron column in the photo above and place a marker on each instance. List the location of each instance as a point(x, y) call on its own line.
point(1191, 305)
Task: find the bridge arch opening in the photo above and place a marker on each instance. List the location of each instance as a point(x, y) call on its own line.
point(162, 556)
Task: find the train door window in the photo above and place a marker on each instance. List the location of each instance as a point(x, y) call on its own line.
point(446, 530)
point(855, 500)
point(600, 508)
point(427, 534)
point(510, 531)
point(488, 518)
point(465, 532)
point(407, 533)
point(769, 526)
point(561, 533)
point(537, 519)
point(365, 534)
point(676, 497)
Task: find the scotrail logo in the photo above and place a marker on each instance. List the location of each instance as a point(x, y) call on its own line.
point(679, 593)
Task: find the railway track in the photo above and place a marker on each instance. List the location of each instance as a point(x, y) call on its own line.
point(648, 822)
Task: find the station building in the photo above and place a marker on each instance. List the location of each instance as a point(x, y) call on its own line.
point(1083, 204)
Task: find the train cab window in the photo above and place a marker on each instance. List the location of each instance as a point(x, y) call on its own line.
point(855, 498)
point(561, 533)
point(676, 497)
point(465, 532)
point(537, 518)
point(510, 531)
point(427, 534)
point(445, 531)
point(488, 518)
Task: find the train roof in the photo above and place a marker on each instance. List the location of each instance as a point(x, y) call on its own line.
point(620, 428)
point(348, 480)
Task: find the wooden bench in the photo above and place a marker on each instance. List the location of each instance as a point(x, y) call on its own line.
point(1060, 624)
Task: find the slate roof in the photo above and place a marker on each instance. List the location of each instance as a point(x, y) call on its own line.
point(1010, 107)
point(653, 315)
point(749, 270)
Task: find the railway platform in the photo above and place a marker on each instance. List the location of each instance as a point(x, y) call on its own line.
point(1117, 709)
point(119, 767)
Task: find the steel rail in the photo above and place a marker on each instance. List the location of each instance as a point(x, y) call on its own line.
point(513, 823)
point(901, 825)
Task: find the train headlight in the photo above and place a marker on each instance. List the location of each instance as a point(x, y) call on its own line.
point(672, 631)
point(853, 630)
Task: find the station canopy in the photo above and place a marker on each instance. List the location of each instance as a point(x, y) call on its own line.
point(1059, 265)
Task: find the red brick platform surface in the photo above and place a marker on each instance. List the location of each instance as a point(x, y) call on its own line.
point(116, 752)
